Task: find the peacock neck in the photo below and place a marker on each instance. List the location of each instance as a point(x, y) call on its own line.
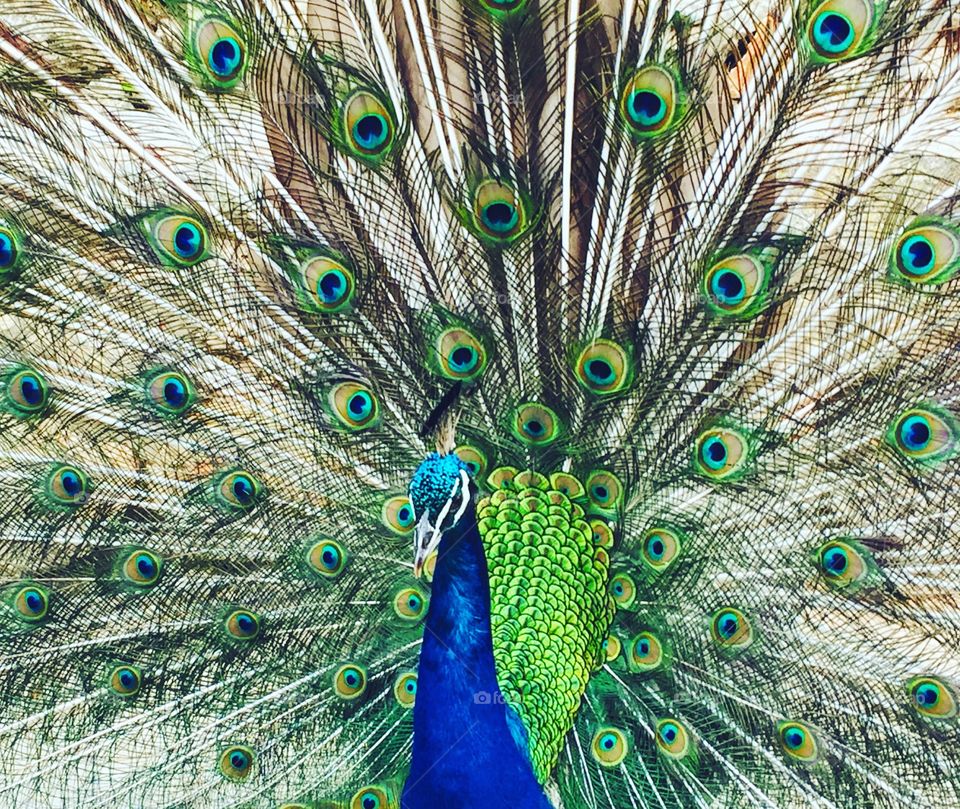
point(469, 749)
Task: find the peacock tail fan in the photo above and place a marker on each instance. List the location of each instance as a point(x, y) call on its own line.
point(682, 274)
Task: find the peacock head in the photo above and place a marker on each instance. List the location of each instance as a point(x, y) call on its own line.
point(440, 493)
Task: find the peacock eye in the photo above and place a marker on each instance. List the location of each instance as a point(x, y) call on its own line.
point(734, 287)
point(474, 458)
point(236, 762)
point(27, 393)
point(177, 240)
point(623, 589)
point(720, 453)
point(923, 434)
point(838, 27)
point(409, 604)
point(327, 558)
point(646, 653)
point(932, 698)
point(460, 354)
point(612, 647)
point(31, 603)
point(673, 739)
point(329, 283)
point(221, 53)
point(369, 127)
point(125, 681)
point(648, 104)
point(535, 425)
point(405, 689)
point(604, 490)
point(842, 564)
point(609, 747)
point(9, 250)
point(499, 211)
point(603, 536)
point(731, 629)
point(349, 682)
point(68, 486)
point(354, 405)
point(239, 490)
point(141, 568)
point(603, 368)
point(660, 548)
point(397, 515)
point(798, 741)
point(502, 7)
point(926, 254)
point(242, 625)
point(370, 797)
point(170, 393)
point(568, 485)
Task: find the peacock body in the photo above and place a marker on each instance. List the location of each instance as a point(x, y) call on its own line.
point(638, 321)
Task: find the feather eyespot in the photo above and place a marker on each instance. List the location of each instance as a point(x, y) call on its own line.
point(660, 548)
point(475, 459)
point(170, 393)
point(409, 604)
point(646, 653)
point(178, 240)
point(242, 625)
point(798, 741)
point(602, 533)
point(732, 631)
point(397, 515)
point(354, 405)
point(720, 453)
point(327, 558)
point(369, 129)
point(26, 393)
point(68, 486)
point(221, 53)
point(623, 589)
point(31, 603)
point(236, 762)
point(612, 648)
point(141, 568)
point(239, 490)
point(673, 739)
point(460, 355)
point(9, 251)
point(500, 8)
point(329, 283)
point(405, 689)
point(603, 368)
point(499, 211)
point(649, 102)
point(843, 564)
point(926, 254)
point(126, 681)
point(932, 698)
point(370, 797)
point(535, 425)
point(609, 747)
point(567, 484)
point(837, 28)
point(735, 285)
point(926, 435)
point(604, 491)
point(350, 682)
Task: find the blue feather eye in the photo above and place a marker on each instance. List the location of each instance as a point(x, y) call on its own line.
point(25, 393)
point(238, 490)
point(349, 682)
point(720, 454)
point(31, 603)
point(369, 128)
point(397, 514)
point(837, 28)
point(735, 286)
point(932, 698)
point(405, 689)
point(125, 681)
point(731, 629)
point(236, 762)
point(623, 589)
point(169, 392)
point(9, 250)
point(649, 102)
point(459, 355)
point(924, 434)
point(535, 425)
point(798, 741)
point(609, 747)
point(474, 458)
point(328, 283)
point(220, 53)
point(409, 604)
point(674, 741)
point(926, 253)
point(646, 653)
point(603, 368)
point(67, 486)
point(605, 491)
point(141, 568)
point(327, 558)
point(370, 797)
point(177, 239)
point(844, 564)
point(660, 548)
point(354, 405)
point(242, 625)
point(499, 211)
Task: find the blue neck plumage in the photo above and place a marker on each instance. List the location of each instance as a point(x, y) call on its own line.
point(469, 748)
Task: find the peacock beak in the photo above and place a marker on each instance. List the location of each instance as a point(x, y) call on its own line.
point(426, 539)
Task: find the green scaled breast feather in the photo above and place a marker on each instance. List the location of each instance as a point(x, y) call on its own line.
point(549, 606)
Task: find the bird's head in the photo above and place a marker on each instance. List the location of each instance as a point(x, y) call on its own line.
point(440, 493)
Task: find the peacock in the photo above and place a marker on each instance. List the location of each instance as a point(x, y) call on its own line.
point(460, 404)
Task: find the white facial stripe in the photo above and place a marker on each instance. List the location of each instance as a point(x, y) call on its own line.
point(464, 494)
